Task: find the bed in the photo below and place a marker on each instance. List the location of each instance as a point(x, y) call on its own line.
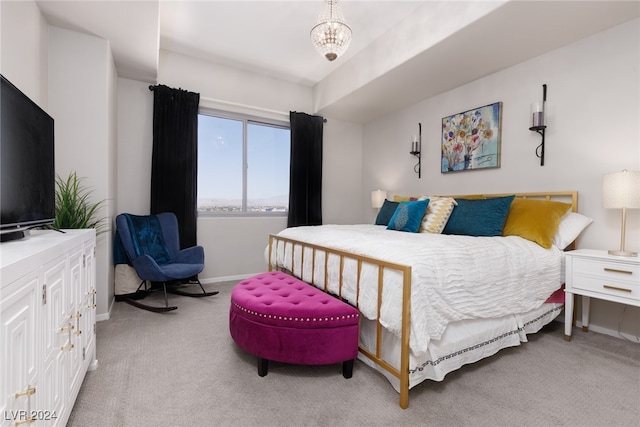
point(433, 302)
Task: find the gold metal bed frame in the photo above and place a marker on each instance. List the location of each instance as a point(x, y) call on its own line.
point(375, 355)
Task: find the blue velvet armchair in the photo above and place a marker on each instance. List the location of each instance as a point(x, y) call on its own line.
point(151, 244)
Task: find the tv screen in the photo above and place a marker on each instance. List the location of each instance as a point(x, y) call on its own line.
point(27, 173)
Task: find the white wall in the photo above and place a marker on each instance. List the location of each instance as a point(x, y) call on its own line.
point(82, 96)
point(134, 147)
point(593, 113)
point(341, 172)
point(24, 49)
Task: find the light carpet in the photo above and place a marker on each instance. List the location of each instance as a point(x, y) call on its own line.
point(183, 369)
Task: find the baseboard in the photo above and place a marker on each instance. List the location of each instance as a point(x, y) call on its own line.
point(226, 278)
point(601, 330)
point(107, 315)
point(608, 331)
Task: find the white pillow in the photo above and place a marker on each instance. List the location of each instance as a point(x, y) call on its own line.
point(571, 225)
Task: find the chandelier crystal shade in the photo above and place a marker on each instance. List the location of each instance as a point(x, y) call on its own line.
point(331, 35)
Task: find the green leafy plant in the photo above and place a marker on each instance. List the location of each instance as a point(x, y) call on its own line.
point(73, 207)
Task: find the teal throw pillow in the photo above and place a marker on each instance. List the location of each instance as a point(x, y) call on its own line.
point(479, 217)
point(386, 212)
point(408, 216)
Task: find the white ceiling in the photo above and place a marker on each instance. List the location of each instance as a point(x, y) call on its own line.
point(272, 37)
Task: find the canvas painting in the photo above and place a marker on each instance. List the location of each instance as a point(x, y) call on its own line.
point(471, 140)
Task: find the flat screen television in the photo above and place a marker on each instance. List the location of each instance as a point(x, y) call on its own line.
point(27, 172)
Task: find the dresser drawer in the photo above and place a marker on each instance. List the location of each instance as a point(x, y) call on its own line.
point(622, 289)
point(607, 270)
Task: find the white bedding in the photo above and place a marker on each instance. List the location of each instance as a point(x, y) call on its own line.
point(453, 277)
point(463, 342)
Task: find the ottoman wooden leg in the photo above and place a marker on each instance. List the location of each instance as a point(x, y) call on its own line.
point(263, 366)
point(347, 368)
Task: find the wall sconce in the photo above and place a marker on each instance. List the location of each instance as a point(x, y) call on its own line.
point(377, 198)
point(538, 122)
point(621, 190)
point(416, 150)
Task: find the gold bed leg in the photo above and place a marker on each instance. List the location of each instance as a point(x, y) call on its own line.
point(270, 249)
point(405, 349)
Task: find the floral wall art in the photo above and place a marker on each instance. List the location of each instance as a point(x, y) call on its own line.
point(471, 140)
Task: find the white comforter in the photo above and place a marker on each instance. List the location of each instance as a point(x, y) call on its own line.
point(453, 277)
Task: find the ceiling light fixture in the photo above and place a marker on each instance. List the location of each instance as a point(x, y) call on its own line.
point(331, 35)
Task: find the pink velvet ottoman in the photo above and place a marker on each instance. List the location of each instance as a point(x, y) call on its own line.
point(277, 317)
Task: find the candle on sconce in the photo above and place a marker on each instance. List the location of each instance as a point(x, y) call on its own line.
point(537, 114)
point(414, 144)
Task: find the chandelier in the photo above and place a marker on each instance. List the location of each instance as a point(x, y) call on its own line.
point(331, 35)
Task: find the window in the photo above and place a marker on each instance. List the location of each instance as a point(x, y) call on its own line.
point(243, 165)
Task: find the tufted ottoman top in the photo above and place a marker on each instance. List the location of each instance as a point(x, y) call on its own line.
point(275, 298)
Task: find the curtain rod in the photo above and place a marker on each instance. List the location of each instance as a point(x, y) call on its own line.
point(245, 106)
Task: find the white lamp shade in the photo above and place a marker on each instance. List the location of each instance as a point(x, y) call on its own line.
point(621, 190)
point(377, 198)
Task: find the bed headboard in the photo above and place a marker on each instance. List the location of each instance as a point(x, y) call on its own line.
point(558, 196)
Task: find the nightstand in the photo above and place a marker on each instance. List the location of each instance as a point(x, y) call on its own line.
point(596, 274)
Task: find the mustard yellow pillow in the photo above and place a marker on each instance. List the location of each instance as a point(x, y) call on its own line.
point(535, 220)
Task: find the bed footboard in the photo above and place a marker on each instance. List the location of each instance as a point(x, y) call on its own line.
point(298, 248)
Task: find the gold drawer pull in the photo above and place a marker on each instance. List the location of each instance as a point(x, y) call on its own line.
point(27, 392)
point(67, 328)
point(78, 332)
point(616, 288)
point(66, 347)
point(75, 316)
point(27, 421)
point(613, 270)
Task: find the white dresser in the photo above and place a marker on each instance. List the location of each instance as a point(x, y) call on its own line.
point(596, 274)
point(47, 325)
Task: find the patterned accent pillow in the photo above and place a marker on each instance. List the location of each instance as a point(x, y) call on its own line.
point(408, 216)
point(438, 213)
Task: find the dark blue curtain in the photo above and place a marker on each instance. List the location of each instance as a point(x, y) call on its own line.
point(305, 180)
point(174, 163)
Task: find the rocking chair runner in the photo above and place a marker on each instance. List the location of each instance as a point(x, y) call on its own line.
point(152, 247)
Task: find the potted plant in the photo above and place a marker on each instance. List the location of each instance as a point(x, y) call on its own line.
point(73, 208)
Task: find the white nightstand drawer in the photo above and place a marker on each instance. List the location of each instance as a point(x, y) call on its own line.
point(608, 270)
point(622, 289)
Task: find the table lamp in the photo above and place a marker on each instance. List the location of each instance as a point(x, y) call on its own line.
point(377, 198)
point(621, 190)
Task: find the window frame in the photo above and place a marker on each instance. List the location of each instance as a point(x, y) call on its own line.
point(246, 120)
